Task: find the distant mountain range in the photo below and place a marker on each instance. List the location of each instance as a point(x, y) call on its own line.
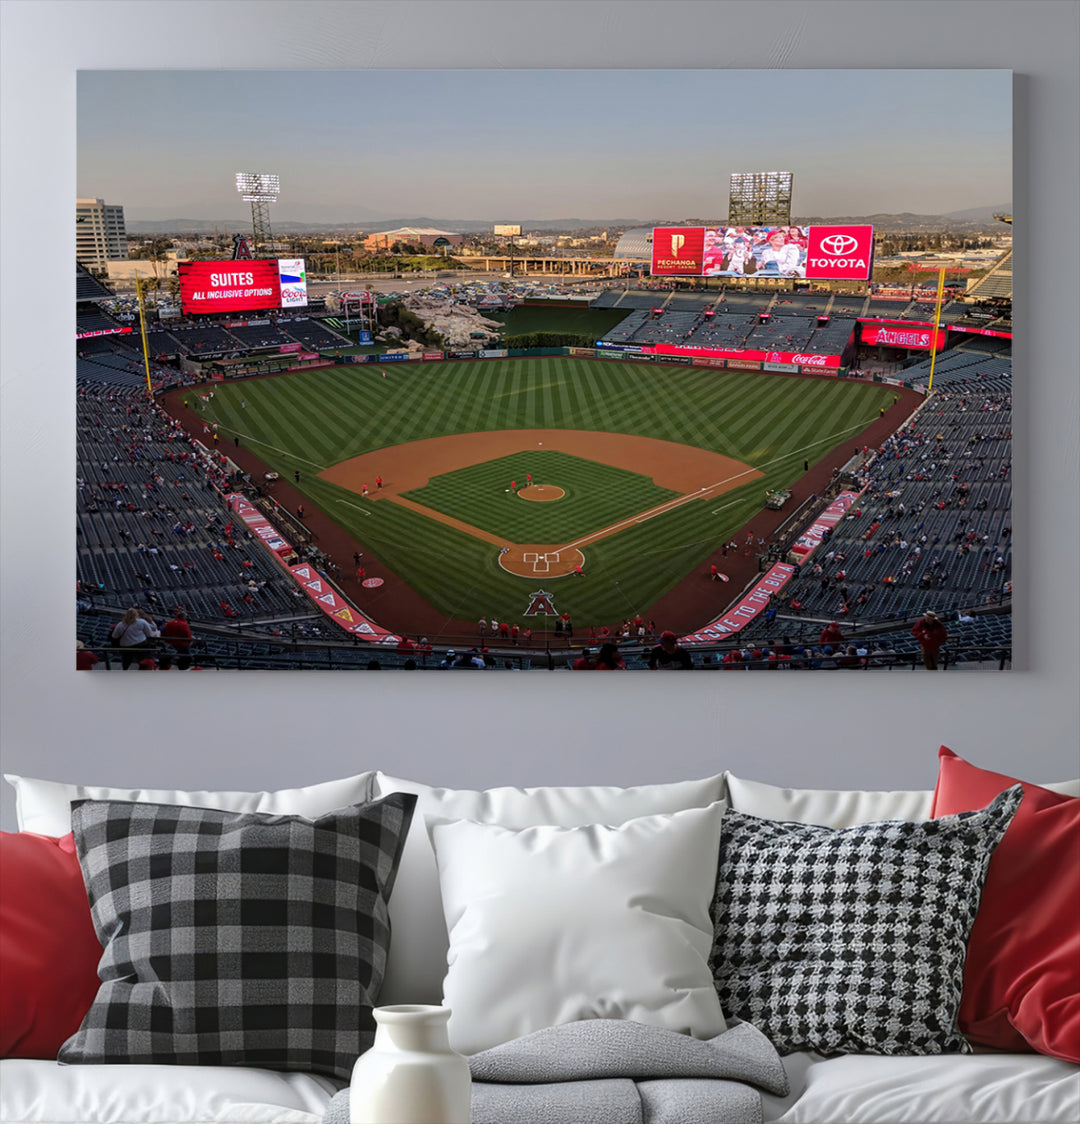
point(972, 219)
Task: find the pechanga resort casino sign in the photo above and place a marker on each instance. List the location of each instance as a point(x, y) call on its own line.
point(816, 253)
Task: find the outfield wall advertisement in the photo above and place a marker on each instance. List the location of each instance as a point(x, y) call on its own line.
point(816, 253)
point(241, 286)
point(748, 359)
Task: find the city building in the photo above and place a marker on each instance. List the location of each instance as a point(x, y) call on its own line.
point(425, 236)
point(99, 233)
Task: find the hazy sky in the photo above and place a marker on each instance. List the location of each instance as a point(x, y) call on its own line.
point(542, 144)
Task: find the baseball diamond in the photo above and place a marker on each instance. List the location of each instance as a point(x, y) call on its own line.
point(632, 448)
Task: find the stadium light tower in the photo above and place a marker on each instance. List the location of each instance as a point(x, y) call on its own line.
point(760, 199)
point(260, 189)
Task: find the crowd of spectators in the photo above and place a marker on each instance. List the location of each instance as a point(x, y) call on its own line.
point(931, 530)
point(153, 530)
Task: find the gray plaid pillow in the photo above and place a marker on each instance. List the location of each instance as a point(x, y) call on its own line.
point(852, 941)
point(236, 938)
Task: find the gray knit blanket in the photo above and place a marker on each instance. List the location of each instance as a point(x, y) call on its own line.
point(607, 1071)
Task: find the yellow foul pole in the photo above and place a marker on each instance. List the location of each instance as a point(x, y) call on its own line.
point(142, 325)
point(934, 333)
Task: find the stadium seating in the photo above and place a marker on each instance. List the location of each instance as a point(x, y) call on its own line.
point(844, 304)
point(89, 319)
point(161, 345)
point(960, 366)
point(608, 299)
point(312, 334)
point(783, 333)
point(151, 521)
point(209, 340)
point(257, 336)
point(930, 528)
point(88, 287)
point(735, 300)
point(642, 300)
point(799, 304)
point(997, 282)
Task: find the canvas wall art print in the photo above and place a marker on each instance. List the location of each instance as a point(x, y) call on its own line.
point(544, 370)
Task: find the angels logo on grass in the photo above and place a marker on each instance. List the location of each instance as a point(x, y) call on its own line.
point(541, 605)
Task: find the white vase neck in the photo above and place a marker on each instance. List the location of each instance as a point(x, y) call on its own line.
point(413, 1027)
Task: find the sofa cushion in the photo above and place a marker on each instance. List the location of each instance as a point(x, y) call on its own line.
point(838, 807)
point(826, 807)
point(42, 1092)
point(851, 940)
point(1022, 976)
point(45, 806)
point(48, 950)
point(949, 1089)
point(236, 938)
point(419, 940)
point(549, 925)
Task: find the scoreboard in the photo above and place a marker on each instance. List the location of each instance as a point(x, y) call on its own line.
point(242, 286)
point(816, 253)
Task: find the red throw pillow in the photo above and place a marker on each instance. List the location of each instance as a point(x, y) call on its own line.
point(1022, 976)
point(48, 970)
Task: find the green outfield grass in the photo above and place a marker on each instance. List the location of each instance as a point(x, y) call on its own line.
point(597, 495)
point(310, 420)
point(594, 322)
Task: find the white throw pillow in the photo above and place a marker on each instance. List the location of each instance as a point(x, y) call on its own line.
point(418, 939)
point(839, 808)
point(44, 807)
point(549, 925)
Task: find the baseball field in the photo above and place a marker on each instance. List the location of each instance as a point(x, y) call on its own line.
point(604, 483)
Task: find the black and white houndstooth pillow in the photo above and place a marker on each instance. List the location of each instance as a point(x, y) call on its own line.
point(852, 941)
point(236, 938)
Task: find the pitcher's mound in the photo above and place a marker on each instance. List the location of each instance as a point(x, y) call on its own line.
point(541, 493)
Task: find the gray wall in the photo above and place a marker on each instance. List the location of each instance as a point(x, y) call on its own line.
point(262, 730)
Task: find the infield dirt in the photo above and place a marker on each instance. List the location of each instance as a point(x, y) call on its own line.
point(694, 473)
point(681, 468)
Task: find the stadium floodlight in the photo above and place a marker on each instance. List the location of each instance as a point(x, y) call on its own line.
point(260, 189)
point(760, 199)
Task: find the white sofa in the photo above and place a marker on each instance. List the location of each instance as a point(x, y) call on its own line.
point(979, 1088)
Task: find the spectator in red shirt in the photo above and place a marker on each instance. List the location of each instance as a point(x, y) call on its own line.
point(585, 662)
point(177, 635)
point(84, 659)
point(931, 634)
point(831, 634)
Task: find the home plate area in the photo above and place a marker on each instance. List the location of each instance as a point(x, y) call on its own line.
point(540, 561)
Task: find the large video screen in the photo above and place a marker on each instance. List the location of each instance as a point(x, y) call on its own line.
point(242, 286)
point(815, 253)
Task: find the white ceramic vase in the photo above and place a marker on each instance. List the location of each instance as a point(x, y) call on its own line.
point(410, 1075)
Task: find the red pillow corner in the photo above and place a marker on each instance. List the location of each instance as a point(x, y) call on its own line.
point(1022, 975)
point(48, 971)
